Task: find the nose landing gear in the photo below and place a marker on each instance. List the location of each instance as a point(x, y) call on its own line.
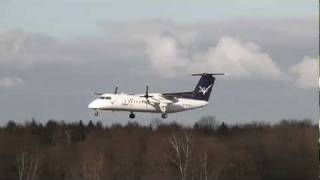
point(164, 115)
point(96, 113)
point(132, 116)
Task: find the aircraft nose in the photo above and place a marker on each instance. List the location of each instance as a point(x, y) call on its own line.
point(93, 105)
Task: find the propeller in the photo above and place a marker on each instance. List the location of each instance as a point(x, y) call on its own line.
point(116, 89)
point(147, 92)
point(147, 96)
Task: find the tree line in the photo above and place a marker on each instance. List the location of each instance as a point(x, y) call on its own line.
point(210, 150)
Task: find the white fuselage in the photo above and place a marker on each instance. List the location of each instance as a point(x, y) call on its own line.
point(138, 103)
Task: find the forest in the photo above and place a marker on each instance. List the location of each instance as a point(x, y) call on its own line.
point(210, 150)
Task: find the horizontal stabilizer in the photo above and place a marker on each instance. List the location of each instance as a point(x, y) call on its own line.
point(213, 74)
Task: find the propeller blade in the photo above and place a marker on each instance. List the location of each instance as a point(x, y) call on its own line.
point(147, 92)
point(146, 95)
point(116, 89)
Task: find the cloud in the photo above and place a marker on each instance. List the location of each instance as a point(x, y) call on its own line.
point(263, 31)
point(230, 55)
point(165, 55)
point(24, 49)
point(239, 58)
point(10, 82)
point(168, 48)
point(306, 73)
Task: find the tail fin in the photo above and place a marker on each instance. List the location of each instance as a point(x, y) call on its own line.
point(204, 87)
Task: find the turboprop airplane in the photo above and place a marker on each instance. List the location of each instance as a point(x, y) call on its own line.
point(163, 103)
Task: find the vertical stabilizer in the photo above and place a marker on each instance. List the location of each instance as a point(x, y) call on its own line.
point(204, 87)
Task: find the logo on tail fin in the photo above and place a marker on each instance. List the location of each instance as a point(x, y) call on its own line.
point(204, 90)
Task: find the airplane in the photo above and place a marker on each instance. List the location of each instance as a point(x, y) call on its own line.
point(163, 103)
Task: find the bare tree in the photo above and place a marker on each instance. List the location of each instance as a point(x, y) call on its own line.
point(181, 153)
point(62, 136)
point(204, 167)
point(209, 122)
point(27, 166)
point(91, 168)
point(155, 123)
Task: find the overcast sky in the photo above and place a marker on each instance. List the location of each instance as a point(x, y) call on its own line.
point(54, 54)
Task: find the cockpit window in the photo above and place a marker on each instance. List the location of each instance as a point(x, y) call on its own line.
point(105, 97)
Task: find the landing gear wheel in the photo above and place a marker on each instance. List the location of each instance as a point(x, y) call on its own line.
point(96, 113)
point(131, 116)
point(164, 116)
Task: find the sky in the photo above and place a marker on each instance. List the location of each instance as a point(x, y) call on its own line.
point(55, 54)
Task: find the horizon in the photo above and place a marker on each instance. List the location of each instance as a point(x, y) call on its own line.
point(159, 121)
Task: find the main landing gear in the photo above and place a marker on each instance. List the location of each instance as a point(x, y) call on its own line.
point(164, 115)
point(132, 116)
